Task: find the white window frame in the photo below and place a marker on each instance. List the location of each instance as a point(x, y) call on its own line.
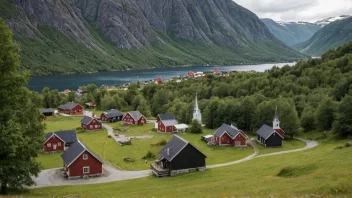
point(86, 168)
point(48, 145)
point(91, 126)
point(59, 144)
point(85, 156)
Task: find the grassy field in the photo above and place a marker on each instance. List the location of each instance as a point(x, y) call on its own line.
point(50, 160)
point(58, 123)
point(323, 170)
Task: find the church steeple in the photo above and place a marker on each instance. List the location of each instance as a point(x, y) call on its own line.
point(276, 121)
point(196, 111)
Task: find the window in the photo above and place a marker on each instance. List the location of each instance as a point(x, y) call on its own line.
point(86, 170)
point(49, 144)
point(59, 144)
point(96, 126)
point(91, 126)
point(85, 156)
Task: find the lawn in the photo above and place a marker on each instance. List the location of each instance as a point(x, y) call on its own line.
point(50, 160)
point(286, 145)
point(58, 123)
point(323, 170)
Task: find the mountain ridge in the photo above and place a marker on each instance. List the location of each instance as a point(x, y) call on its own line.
point(329, 37)
point(80, 36)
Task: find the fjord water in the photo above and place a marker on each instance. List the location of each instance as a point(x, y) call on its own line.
point(62, 82)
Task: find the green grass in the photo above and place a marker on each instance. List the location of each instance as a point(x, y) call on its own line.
point(286, 145)
point(331, 176)
point(50, 160)
point(58, 123)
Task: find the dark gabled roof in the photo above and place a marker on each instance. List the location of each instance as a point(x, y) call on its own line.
point(233, 132)
point(265, 131)
point(68, 106)
point(75, 150)
point(49, 110)
point(69, 136)
point(164, 117)
point(169, 122)
point(112, 113)
point(175, 146)
point(86, 120)
point(136, 115)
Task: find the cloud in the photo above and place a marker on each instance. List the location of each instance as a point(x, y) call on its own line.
point(297, 10)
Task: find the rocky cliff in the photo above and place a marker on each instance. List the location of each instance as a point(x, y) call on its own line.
point(65, 36)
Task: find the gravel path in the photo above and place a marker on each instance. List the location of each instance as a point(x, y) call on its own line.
point(53, 177)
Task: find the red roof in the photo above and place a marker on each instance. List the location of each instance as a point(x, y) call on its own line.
point(280, 131)
point(67, 91)
point(190, 73)
point(159, 80)
point(216, 71)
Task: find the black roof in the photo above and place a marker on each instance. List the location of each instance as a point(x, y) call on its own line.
point(69, 136)
point(112, 113)
point(86, 120)
point(75, 150)
point(174, 147)
point(265, 131)
point(166, 117)
point(232, 131)
point(49, 110)
point(68, 106)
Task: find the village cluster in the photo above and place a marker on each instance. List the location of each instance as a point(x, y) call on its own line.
point(177, 157)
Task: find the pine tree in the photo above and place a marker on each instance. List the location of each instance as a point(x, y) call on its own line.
point(21, 132)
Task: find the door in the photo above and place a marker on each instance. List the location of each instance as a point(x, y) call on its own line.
point(54, 146)
point(237, 143)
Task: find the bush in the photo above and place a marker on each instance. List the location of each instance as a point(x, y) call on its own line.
point(196, 127)
point(160, 143)
point(149, 156)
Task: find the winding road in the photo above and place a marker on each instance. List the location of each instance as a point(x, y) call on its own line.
point(53, 177)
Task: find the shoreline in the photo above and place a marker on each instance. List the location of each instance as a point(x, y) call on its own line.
point(150, 68)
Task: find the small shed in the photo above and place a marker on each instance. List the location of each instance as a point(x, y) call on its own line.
point(269, 137)
point(47, 112)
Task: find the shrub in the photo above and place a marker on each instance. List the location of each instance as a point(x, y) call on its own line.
point(196, 127)
point(160, 143)
point(149, 156)
point(297, 171)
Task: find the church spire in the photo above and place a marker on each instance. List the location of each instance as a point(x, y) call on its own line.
point(196, 103)
point(196, 111)
point(276, 121)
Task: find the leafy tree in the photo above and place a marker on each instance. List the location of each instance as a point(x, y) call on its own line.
point(343, 123)
point(196, 127)
point(324, 114)
point(47, 98)
point(71, 97)
point(308, 119)
point(144, 107)
point(21, 133)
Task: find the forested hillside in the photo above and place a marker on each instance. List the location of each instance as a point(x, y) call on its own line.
point(315, 95)
point(81, 36)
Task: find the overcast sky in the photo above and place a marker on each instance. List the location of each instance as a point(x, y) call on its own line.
point(298, 10)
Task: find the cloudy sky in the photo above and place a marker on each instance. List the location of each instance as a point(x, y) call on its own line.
point(297, 10)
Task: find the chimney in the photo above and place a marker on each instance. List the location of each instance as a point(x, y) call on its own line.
point(168, 151)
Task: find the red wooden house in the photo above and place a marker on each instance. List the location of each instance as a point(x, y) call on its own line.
point(112, 115)
point(166, 123)
point(58, 141)
point(216, 72)
point(190, 74)
point(135, 117)
point(230, 136)
point(89, 123)
point(80, 161)
point(71, 108)
point(158, 80)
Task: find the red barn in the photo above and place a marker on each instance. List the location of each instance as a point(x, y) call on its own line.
point(80, 161)
point(166, 123)
point(71, 108)
point(230, 136)
point(158, 80)
point(58, 141)
point(89, 123)
point(135, 117)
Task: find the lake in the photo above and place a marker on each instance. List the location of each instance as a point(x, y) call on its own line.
point(72, 82)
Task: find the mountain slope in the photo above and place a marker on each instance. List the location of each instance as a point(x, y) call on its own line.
point(291, 33)
point(331, 36)
point(74, 36)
